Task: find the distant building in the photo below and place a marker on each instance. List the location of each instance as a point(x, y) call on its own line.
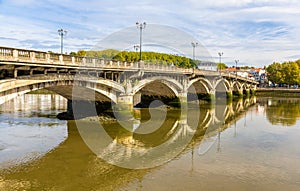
point(258, 74)
point(206, 65)
point(244, 74)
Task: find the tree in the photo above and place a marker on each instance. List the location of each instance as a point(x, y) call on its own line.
point(81, 53)
point(73, 54)
point(275, 73)
point(285, 73)
point(291, 72)
point(157, 58)
point(221, 66)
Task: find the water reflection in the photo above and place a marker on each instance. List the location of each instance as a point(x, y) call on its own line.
point(281, 111)
point(71, 165)
point(29, 128)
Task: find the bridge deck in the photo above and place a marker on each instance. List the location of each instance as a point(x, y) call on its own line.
point(21, 59)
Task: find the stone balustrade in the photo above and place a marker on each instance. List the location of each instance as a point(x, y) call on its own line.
point(48, 58)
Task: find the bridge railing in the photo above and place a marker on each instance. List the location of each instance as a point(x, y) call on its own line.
point(32, 56)
point(46, 58)
point(6, 52)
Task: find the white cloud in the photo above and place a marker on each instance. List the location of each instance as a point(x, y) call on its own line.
point(256, 32)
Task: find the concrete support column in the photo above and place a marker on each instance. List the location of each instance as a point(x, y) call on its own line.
point(229, 94)
point(212, 95)
point(15, 73)
point(137, 98)
point(253, 90)
point(31, 72)
point(183, 99)
point(125, 101)
point(247, 91)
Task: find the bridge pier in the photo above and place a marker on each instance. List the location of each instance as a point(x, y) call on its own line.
point(125, 101)
point(212, 95)
point(238, 93)
point(77, 109)
point(183, 99)
point(31, 72)
point(229, 94)
point(246, 92)
point(252, 91)
point(15, 73)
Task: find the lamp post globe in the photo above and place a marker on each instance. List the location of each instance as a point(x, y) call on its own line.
point(61, 33)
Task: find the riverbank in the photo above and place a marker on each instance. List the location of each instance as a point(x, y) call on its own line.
point(277, 92)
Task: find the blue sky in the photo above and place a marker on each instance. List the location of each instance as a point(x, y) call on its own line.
point(256, 32)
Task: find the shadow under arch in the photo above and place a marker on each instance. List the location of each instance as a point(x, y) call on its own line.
point(200, 86)
point(164, 90)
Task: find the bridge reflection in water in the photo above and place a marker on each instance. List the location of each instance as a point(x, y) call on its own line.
point(72, 165)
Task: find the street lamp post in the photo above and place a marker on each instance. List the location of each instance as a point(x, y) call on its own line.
point(141, 26)
point(194, 44)
point(61, 33)
point(220, 58)
point(236, 62)
point(220, 55)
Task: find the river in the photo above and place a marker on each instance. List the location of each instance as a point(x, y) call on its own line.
point(250, 144)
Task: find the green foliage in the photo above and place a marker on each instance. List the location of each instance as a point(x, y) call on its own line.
point(156, 58)
point(81, 53)
point(105, 54)
point(221, 66)
point(285, 73)
point(73, 53)
point(148, 57)
point(275, 73)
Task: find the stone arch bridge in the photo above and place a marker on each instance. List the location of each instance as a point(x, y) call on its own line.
point(94, 79)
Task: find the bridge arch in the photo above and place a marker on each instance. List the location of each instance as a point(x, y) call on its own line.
point(63, 85)
point(246, 86)
point(172, 84)
point(237, 86)
point(224, 82)
point(205, 83)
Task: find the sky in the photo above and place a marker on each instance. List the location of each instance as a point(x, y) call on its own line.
point(255, 32)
